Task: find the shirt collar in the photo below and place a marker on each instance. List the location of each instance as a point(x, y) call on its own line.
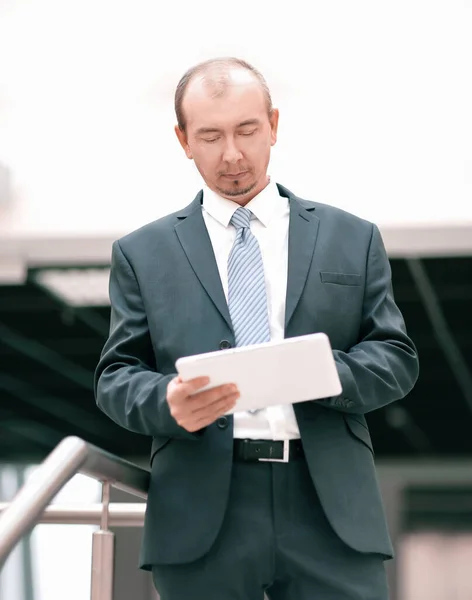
point(267, 204)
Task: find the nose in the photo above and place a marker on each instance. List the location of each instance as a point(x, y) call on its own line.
point(231, 153)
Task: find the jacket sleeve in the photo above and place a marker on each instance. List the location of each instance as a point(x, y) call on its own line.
point(128, 387)
point(383, 366)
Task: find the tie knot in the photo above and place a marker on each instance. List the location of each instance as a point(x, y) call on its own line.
point(241, 217)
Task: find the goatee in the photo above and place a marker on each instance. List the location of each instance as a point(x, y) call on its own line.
point(234, 193)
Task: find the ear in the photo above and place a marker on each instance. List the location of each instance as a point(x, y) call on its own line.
point(182, 137)
point(274, 124)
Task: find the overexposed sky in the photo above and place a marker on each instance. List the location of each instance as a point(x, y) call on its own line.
point(374, 96)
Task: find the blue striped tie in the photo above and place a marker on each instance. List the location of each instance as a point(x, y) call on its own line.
point(247, 300)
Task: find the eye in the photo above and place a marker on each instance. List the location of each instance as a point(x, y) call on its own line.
point(248, 133)
point(210, 140)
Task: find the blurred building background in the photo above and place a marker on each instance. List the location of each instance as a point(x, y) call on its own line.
point(375, 118)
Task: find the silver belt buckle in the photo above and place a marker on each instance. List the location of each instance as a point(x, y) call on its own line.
point(285, 454)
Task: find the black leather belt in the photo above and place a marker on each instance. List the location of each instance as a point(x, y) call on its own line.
point(267, 450)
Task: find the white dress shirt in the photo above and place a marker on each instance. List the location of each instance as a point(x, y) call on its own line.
point(270, 227)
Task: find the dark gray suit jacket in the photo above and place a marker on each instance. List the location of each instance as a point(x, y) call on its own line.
point(168, 301)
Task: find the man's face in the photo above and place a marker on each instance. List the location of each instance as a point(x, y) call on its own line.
point(229, 136)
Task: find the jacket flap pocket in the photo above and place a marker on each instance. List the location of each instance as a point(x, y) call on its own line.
point(359, 431)
point(340, 278)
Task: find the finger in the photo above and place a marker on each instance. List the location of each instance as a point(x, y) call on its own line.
point(219, 409)
point(188, 388)
point(189, 412)
point(205, 399)
point(181, 390)
point(173, 383)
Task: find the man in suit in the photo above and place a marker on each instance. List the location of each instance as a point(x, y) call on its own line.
point(247, 262)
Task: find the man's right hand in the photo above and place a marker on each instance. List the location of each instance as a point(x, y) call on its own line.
point(194, 410)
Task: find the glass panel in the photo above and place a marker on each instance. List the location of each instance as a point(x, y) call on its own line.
point(61, 554)
point(12, 574)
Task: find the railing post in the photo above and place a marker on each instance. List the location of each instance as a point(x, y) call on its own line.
point(103, 550)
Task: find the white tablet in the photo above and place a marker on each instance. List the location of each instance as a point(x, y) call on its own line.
point(292, 370)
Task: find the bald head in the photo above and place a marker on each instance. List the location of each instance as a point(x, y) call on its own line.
point(213, 77)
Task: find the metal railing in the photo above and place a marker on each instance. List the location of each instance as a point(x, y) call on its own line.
point(120, 514)
point(31, 504)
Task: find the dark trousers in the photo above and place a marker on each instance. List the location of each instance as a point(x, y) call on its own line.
point(275, 540)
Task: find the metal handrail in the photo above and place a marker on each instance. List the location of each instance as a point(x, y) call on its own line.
point(70, 457)
point(120, 514)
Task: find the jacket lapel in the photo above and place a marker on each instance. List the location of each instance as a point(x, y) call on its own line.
point(196, 243)
point(303, 232)
point(193, 236)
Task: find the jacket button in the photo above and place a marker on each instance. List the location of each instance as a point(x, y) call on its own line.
point(225, 345)
point(222, 423)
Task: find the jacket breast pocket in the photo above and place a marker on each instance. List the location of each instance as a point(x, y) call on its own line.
point(358, 431)
point(341, 278)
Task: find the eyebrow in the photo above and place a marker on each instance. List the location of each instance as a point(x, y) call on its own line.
point(204, 130)
point(249, 122)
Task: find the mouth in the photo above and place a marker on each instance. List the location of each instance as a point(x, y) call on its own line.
point(235, 175)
